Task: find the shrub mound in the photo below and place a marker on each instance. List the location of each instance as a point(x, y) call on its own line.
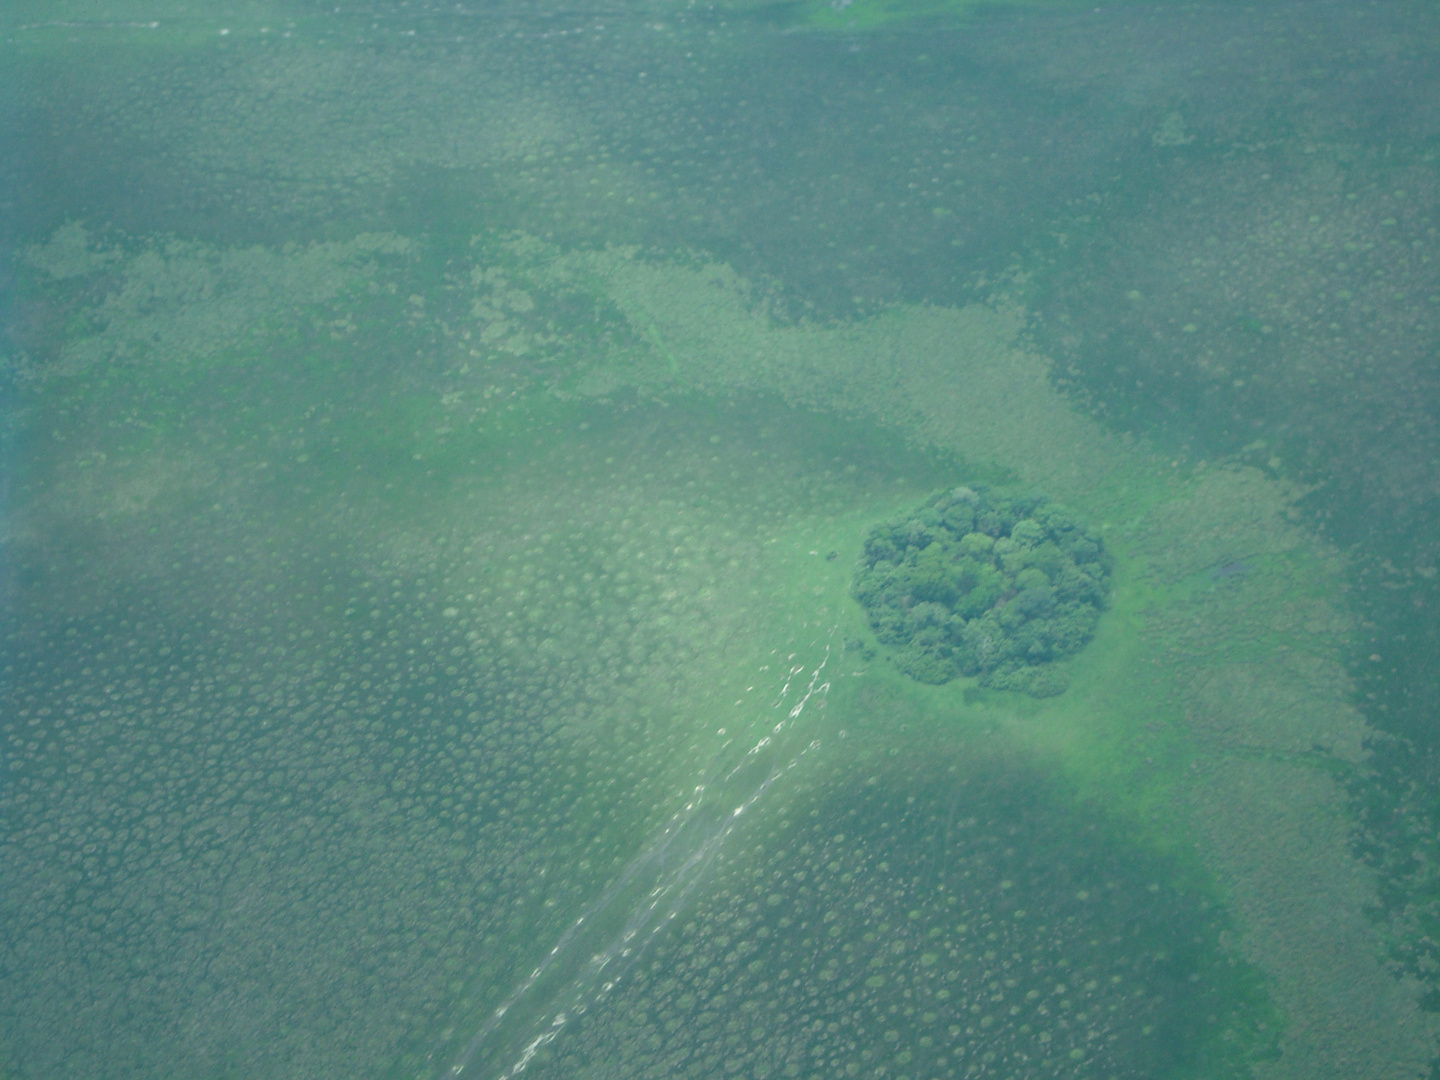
point(975, 584)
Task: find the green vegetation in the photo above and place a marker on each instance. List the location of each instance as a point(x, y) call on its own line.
point(859, 15)
point(978, 585)
point(572, 516)
point(867, 14)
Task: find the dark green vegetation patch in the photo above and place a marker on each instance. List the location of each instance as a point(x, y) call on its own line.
point(979, 585)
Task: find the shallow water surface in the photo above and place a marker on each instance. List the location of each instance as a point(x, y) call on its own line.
point(439, 441)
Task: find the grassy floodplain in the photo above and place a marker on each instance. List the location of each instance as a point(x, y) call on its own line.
point(465, 578)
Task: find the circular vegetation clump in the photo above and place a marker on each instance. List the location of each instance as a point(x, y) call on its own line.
point(975, 584)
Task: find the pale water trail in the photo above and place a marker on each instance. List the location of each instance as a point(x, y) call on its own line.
point(596, 951)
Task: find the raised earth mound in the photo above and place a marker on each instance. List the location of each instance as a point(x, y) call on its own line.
point(975, 584)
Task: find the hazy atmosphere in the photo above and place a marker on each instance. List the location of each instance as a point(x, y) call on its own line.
point(678, 540)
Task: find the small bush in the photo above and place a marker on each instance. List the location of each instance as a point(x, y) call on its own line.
point(975, 584)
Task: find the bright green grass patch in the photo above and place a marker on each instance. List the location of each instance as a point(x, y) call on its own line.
point(1112, 739)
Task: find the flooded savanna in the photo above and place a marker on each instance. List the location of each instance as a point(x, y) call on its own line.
point(756, 538)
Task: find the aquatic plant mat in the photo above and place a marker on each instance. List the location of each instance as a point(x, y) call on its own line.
point(398, 639)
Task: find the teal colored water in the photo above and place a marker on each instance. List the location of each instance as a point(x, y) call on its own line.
point(480, 482)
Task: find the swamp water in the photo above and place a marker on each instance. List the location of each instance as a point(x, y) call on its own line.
point(430, 648)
